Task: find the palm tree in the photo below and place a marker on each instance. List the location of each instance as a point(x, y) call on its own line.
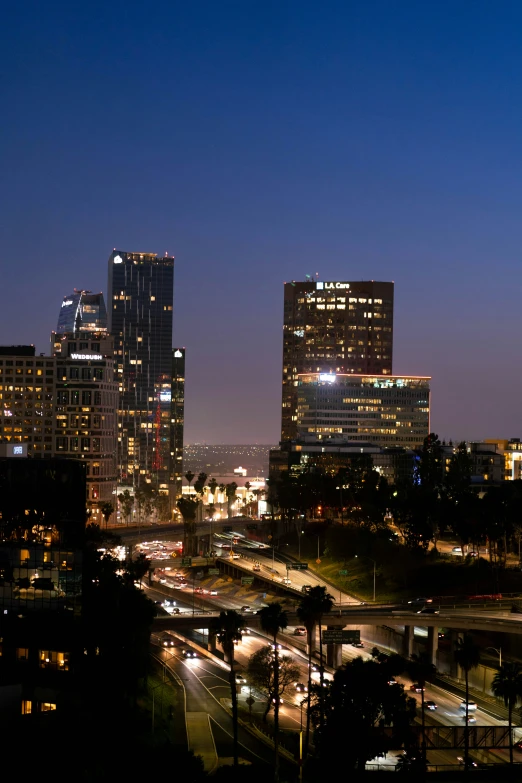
point(273, 619)
point(227, 627)
point(126, 503)
point(507, 685)
point(421, 670)
point(222, 492)
point(467, 656)
point(316, 603)
point(230, 491)
point(190, 478)
point(107, 510)
point(188, 508)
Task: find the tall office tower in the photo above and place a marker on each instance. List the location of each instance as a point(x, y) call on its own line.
point(82, 311)
point(333, 327)
point(27, 389)
point(140, 301)
point(177, 422)
point(85, 420)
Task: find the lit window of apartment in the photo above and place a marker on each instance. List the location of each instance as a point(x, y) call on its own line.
point(27, 707)
point(22, 653)
point(50, 659)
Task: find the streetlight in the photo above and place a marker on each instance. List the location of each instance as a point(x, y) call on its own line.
point(374, 569)
point(499, 653)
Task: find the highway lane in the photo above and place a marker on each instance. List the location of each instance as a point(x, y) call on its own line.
point(206, 685)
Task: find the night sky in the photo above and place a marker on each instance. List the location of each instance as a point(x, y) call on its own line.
point(258, 142)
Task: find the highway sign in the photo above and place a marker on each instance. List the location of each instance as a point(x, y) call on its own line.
point(247, 580)
point(340, 636)
point(343, 572)
point(213, 571)
point(296, 566)
point(227, 528)
point(186, 561)
point(252, 526)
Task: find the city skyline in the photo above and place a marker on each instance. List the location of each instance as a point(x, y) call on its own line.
point(367, 142)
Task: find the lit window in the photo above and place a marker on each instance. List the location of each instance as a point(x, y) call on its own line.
point(50, 659)
point(47, 706)
point(27, 707)
point(22, 653)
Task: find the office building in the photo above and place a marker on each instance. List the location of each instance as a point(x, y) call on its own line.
point(177, 422)
point(42, 520)
point(334, 327)
point(332, 453)
point(384, 410)
point(140, 302)
point(85, 416)
point(82, 311)
point(27, 393)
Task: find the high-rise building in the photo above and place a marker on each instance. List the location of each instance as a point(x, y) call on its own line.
point(333, 327)
point(42, 521)
point(85, 416)
point(140, 302)
point(82, 311)
point(27, 389)
point(384, 410)
point(177, 421)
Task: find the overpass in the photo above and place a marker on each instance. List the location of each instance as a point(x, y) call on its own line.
point(355, 617)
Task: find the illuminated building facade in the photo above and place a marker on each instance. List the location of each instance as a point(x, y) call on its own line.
point(140, 303)
point(177, 421)
point(86, 408)
point(27, 393)
point(333, 327)
point(82, 311)
point(42, 520)
point(384, 410)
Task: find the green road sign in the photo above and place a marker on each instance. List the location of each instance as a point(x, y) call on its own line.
point(343, 572)
point(227, 528)
point(297, 566)
point(213, 571)
point(186, 561)
point(252, 526)
point(340, 636)
point(247, 580)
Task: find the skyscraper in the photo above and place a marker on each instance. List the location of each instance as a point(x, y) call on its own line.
point(140, 302)
point(333, 327)
point(177, 420)
point(82, 311)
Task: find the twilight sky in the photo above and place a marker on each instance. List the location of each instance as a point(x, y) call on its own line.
point(261, 140)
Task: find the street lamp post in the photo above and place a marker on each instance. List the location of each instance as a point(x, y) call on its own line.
point(374, 571)
point(499, 653)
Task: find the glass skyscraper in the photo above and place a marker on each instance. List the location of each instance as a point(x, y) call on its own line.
point(333, 327)
point(82, 311)
point(140, 301)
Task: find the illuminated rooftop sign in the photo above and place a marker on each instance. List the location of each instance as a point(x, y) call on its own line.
point(86, 356)
point(66, 302)
point(327, 286)
point(118, 260)
point(328, 377)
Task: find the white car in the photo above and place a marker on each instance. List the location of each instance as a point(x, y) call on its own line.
point(472, 706)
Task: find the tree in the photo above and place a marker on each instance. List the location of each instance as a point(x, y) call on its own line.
point(190, 477)
point(126, 503)
point(227, 627)
point(161, 506)
point(467, 656)
point(507, 685)
point(230, 491)
point(358, 703)
point(261, 674)
point(273, 619)
point(421, 670)
point(107, 510)
point(188, 509)
point(312, 606)
point(199, 484)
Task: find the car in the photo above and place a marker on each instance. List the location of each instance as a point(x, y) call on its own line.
point(168, 642)
point(240, 679)
point(245, 608)
point(392, 681)
point(518, 746)
point(190, 654)
point(428, 610)
point(471, 719)
point(286, 581)
point(256, 567)
point(301, 687)
point(457, 550)
point(430, 705)
point(245, 631)
point(235, 556)
point(183, 584)
point(357, 644)
point(472, 705)
point(415, 686)
point(472, 764)
point(299, 631)
point(316, 667)
point(421, 600)
point(274, 700)
point(213, 592)
point(175, 610)
point(279, 646)
point(199, 590)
